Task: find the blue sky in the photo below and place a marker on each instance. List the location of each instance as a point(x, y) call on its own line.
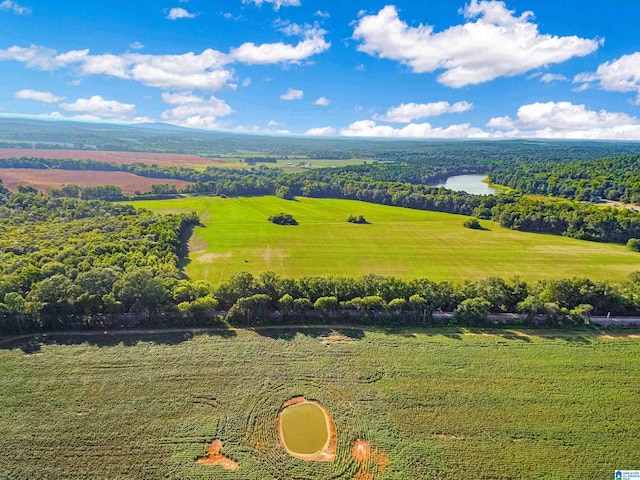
point(401, 69)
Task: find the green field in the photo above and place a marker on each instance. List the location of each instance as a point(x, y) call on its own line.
point(406, 243)
point(440, 404)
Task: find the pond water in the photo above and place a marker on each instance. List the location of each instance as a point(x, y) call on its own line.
point(304, 428)
point(468, 183)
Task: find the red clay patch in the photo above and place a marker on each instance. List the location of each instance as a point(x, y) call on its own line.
point(161, 159)
point(54, 178)
point(368, 459)
point(216, 458)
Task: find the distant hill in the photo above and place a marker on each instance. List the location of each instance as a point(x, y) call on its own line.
point(165, 138)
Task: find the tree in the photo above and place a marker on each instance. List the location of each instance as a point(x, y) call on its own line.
point(398, 305)
point(249, 308)
point(327, 304)
point(633, 244)
point(283, 219)
point(357, 219)
point(301, 305)
point(284, 192)
point(98, 281)
point(15, 303)
point(199, 309)
point(472, 311)
point(140, 290)
point(472, 223)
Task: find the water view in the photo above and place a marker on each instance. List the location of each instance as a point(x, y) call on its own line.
point(468, 183)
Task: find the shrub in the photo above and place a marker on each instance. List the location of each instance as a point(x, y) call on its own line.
point(472, 223)
point(283, 219)
point(359, 219)
point(472, 311)
point(634, 245)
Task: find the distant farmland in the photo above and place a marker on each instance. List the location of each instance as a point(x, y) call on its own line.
point(161, 159)
point(54, 178)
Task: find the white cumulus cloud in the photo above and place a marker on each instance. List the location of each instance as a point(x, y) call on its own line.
point(567, 120)
point(45, 97)
point(11, 6)
point(177, 13)
point(620, 75)
point(496, 44)
point(313, 43)
point(207, 71)
point(407, 112)
point(42, 58)
point(193, 111)
point(369, 128)
point(276, 3)
point(292, 94)
point(322, 102)
point(100, 107)
point(553, 77)
point(321, 131)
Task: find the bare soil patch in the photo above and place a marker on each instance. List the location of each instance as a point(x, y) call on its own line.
point(615, 336)
point(160, 159)
point(216, 458)
point(54, 178)
point(212, 257)
point(328, 453)
point(336, 339)
point(369, 459)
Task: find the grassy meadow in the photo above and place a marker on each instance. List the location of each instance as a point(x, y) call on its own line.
point(236, 236)
point(439, 404)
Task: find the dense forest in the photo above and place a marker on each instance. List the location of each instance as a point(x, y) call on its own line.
point(610, 178)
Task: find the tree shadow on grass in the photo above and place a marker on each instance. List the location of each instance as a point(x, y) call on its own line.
point(183, 253)
point(289, 333)
point(30, 344)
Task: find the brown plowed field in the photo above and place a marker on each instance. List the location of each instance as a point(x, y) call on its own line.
point(160, 159)
point(54, 178)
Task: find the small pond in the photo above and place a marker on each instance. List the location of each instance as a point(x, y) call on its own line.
point(304, 428)
point(468, 183)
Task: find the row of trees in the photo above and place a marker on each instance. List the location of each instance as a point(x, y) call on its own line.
point(104, 294)
point(610, 178)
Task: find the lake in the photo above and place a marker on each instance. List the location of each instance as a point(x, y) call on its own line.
point(468, 183)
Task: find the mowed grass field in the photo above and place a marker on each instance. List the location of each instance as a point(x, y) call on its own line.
point(439, 404)
point(236, 236)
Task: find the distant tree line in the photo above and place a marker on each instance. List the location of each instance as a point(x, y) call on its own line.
point(609, 178)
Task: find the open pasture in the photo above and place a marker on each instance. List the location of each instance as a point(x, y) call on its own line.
point(45, 179)
point(236, 236)
point(430, 404)
point(120, 158)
